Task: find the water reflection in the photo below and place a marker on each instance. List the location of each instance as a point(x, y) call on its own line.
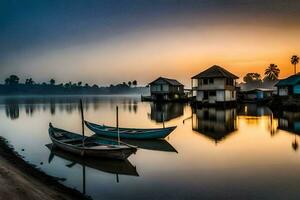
point(253, 113)
point(155, 145)
point(253, 110)
point(290, 121)
point(68, 104)
point(214, 123)
point(245, 164)
point(161, 112)
point(121, 167)
point(12, 110)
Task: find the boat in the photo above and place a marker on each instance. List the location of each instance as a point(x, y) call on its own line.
point(129, 133)
point(86, 146)
point(112, 166)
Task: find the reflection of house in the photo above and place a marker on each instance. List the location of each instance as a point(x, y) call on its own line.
point(253, 110)
point(214, 85)
point(289, 121)
point(166, 89)
point(257, 95)
point(289, 86)
point(166, 111)
point(214, 123)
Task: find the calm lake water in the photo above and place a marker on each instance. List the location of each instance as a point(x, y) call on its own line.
point(243, 153)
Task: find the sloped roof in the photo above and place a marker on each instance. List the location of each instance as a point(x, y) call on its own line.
point(292, 80)
point(168, 80)
point(215, 72)
point(260, 89)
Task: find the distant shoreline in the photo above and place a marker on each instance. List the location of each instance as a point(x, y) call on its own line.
point(40, 89)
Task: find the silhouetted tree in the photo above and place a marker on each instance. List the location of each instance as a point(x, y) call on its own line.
point(52, 81)
point(6, 81)
point(68, 85)
point(295, 61)
point(79, 83)
point(272, 72)
point(95, 86)
point(252, 77)
point(129, 83)
point(29, 81)
point(86, 85)
point(12, 80)
point(134, 83)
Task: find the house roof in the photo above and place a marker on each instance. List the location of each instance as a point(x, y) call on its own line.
point(168, 80)
point(215, 72)
point(260, 89)
point(292, 80)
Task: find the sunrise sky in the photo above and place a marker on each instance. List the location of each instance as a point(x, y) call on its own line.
point(112, 41)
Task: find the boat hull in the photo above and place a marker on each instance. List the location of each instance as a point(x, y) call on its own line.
point(143, 134)
point(111, 166)
point(105, 151)
point(121, 154)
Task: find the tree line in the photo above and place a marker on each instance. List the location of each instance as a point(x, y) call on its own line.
point(14, 86)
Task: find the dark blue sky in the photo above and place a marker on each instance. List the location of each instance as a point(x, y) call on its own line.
point(41, 25)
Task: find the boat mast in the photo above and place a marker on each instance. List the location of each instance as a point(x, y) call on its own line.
point(82, 122)
point(117, 119)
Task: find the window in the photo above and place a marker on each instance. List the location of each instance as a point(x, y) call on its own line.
point(229, 81)
point(211, 81)
point(161, 87)
point(205, 81)
point(212, 93)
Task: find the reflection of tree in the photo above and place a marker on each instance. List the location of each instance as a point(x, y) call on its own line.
point(12, 110)
point(52, 107)
point(63, 104)
point(30, 109)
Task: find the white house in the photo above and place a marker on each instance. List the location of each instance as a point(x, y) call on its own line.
point(214, 85)
point(166, 89)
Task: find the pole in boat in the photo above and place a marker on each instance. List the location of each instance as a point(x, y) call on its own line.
point(82, 122)
point(163, 118)
point(117, 119)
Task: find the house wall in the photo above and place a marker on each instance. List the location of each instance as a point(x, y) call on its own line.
point(221, 96)
point(229, 96)
point(219, 84)
point(159, 88)
point(283, 91)
point(296, 89)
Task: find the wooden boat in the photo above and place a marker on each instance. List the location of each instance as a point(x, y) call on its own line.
point(112, 166)
point(85, 146)
point(129, 133)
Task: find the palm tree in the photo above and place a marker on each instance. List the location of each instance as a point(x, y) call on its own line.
point(129, 83)
point(295, 61)
point(272, 72)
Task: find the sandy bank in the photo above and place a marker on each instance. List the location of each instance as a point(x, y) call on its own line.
point(19, 180)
